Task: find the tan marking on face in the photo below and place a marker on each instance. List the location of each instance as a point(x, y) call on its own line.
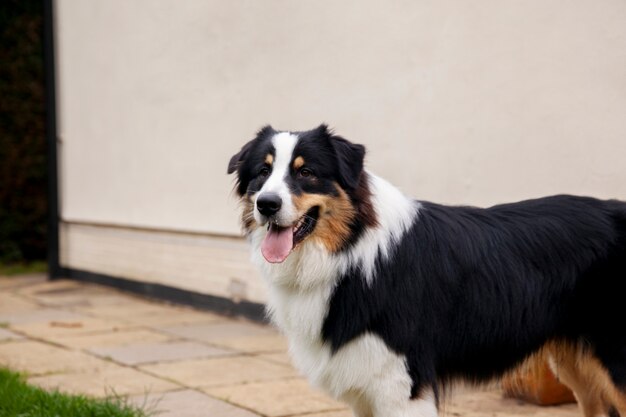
point(247, 215)
point(335, 216)
point(298, 163)
point(269, 159)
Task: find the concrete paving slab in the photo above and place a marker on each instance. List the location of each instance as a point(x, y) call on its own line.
point(11, 303)
point(242, 336)
point(38, 315)
point(175, 318)
point(131, 306)
point(77, 299)
point(188, 403)
point(277, 398)
point(16, 282)
point(88, 301)
point(215, 331)
point(111, 380)
point(66, 293)
point(281, 358)
point(151, 313)
point(220, 371)
point(143, 353)
point(69, 327)
point(46, 286)
point(8, 335)
point(343, 413)
point(39, 358)
point(255, 344)
point(110, 339)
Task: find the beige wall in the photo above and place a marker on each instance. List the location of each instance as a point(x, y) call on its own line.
point(459, 102)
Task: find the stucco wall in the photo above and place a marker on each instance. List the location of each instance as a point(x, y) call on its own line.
point(461, 102)
point(458, 102)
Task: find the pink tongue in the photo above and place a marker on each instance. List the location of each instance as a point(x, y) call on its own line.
point(277, 244)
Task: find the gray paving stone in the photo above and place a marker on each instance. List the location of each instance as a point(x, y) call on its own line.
point(151, 313)
point(228, 370)
point(7, 335)
point(216, 331)
point(78, 297)
point(17, 282)
point(51, 329)
point(12, 303)
point(188, 403)
point(51, 287)
point(77, 301)
point(40, 315)
point(110, 339)
point(233, 335)
point(280, 358)
point(110, 380)
point(277, 398)
point(343, 413)
point(37, 358)
point(141, 353)
point(66, 293)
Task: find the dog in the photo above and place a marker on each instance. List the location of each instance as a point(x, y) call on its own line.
point(387, 301)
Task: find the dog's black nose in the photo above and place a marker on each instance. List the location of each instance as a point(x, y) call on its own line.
point(268, 203)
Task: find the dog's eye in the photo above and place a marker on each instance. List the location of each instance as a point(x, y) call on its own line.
point(305, 173)
point(264, 172)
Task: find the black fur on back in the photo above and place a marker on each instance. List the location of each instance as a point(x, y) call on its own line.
point(469, 293)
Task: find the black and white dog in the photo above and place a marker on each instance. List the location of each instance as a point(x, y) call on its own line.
point(386, 300)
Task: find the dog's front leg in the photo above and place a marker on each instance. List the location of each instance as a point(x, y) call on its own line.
point(400, 406)
point(392, 407)
point(360, 406)
point(362, 410)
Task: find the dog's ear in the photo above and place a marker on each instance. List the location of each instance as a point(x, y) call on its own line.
point(350, 157)
point(238, 158)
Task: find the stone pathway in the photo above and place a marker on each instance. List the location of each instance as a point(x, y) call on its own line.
point(176, 361)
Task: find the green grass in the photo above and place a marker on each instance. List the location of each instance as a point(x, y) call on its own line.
point(22, 268)
point(18, 399)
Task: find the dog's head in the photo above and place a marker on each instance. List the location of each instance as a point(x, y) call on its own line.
point(299, 186)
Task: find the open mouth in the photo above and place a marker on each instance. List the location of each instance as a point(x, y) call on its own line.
point(280, 241)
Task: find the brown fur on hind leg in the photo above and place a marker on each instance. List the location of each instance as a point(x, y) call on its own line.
point(577, 367)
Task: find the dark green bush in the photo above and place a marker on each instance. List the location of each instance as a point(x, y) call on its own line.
point(22, 136)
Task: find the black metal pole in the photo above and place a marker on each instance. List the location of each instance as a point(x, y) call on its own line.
point(54, 265)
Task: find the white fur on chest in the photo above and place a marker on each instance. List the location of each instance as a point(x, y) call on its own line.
point(358, 368)
point(365, 373)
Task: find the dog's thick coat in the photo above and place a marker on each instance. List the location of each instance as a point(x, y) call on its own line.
point(386, 300)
